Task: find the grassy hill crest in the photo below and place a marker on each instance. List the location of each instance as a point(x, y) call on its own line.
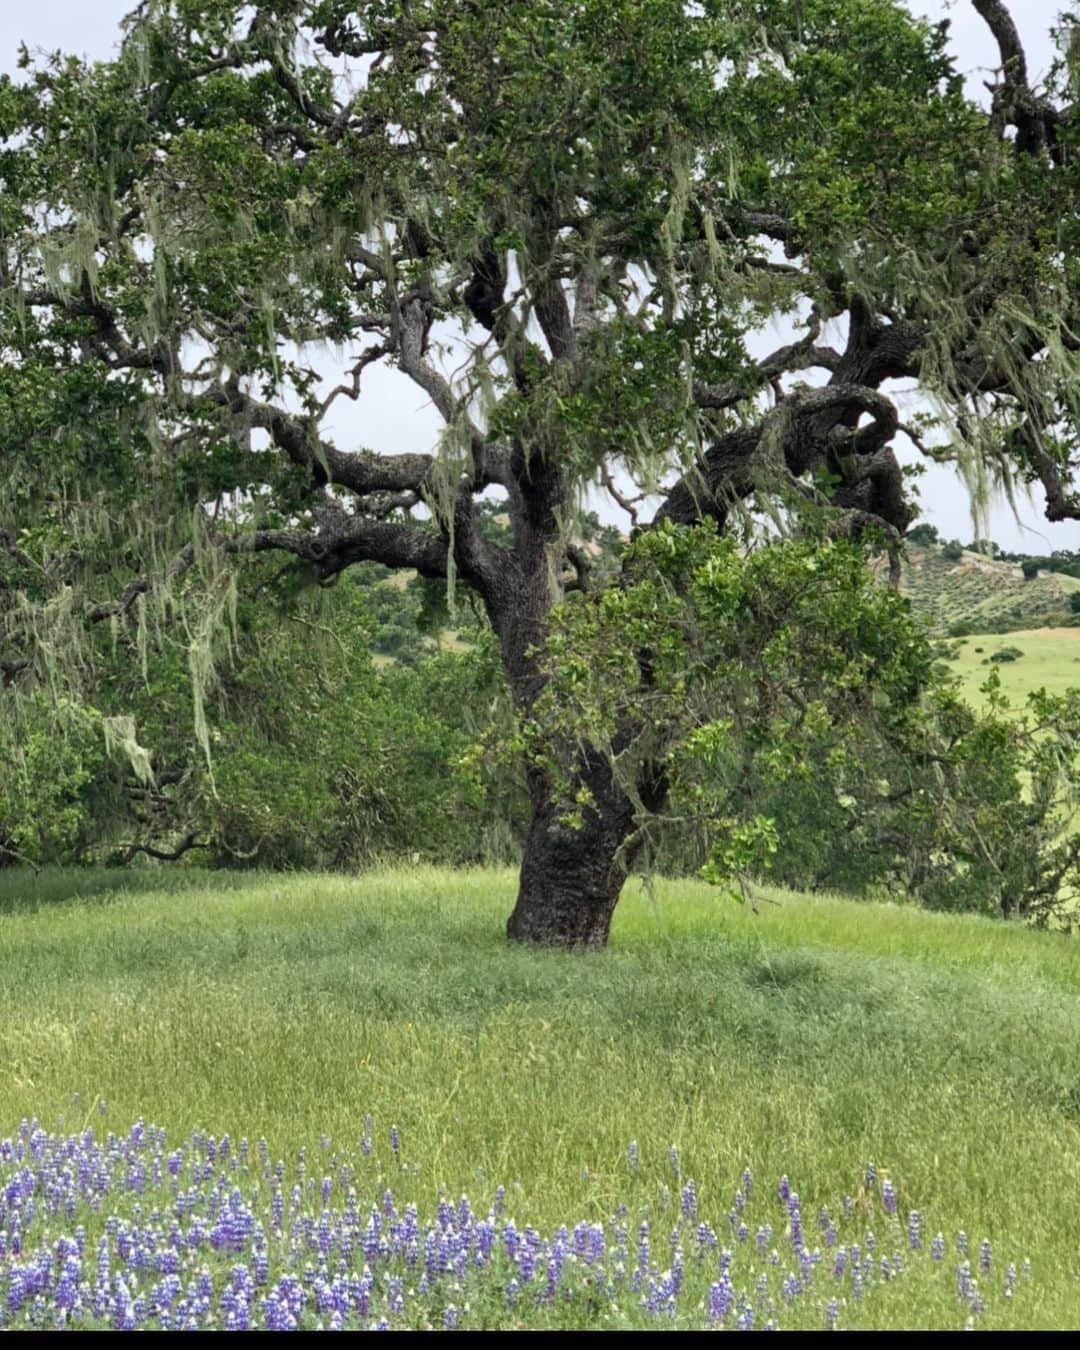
point(982, 593)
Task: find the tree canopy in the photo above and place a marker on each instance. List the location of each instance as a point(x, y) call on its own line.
point(567, 222)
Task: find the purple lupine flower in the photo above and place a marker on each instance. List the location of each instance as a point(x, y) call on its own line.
point(643, 1253)
point(871, 1176)
point(395, 1293)
point(962, 1242)
point(832, 1315)
point(555, 1268)
point(43, 1178)
point(632, 1155)
point(784, 1189)
point(888, 1196)
point(721, 1295)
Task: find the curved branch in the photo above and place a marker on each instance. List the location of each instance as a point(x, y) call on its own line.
point(140, 586)
point(1001, 25)
point(801, 355)
point(1014, 101)
point(785, 441)
point(165, 855)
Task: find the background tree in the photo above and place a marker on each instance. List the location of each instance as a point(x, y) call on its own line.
point(591, 206)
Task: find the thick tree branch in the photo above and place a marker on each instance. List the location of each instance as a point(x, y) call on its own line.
point(1060, 504)
point(357, 540)
point(164, 855)
point(1015, 104)
point(800, 434)
point(579, 561)
point(1001, 25)
point(801, 355)
point(409, 327)
point(553, 315)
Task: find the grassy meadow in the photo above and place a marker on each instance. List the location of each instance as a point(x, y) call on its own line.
point(1050, 661)
point(805, 1039)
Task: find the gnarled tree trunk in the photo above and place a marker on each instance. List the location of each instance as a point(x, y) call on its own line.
point(572, 875)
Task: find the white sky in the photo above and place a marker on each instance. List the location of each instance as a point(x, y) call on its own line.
point(391, 416)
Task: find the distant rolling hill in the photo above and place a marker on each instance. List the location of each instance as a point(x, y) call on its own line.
point(983, 594)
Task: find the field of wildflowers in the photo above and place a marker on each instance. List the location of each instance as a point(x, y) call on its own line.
point(282, 1011)
point(99, 1230)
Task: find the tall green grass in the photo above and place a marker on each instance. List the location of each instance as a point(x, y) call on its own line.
point(804, 1039)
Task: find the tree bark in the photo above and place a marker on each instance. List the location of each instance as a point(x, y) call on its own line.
point(572, 876)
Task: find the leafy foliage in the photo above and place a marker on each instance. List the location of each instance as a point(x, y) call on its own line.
point(316, 760)
point(809, 734)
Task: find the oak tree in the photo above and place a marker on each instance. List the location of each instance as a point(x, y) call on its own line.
point(569, 224)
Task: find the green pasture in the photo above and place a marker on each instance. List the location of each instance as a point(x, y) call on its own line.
point(806, 1038)
point(1050, 660)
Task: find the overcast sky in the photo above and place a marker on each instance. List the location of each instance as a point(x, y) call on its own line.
point(391, 415)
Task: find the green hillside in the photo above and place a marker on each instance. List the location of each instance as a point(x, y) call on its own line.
point(1050, 660)
point(801, 1041)
point(983, 594)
